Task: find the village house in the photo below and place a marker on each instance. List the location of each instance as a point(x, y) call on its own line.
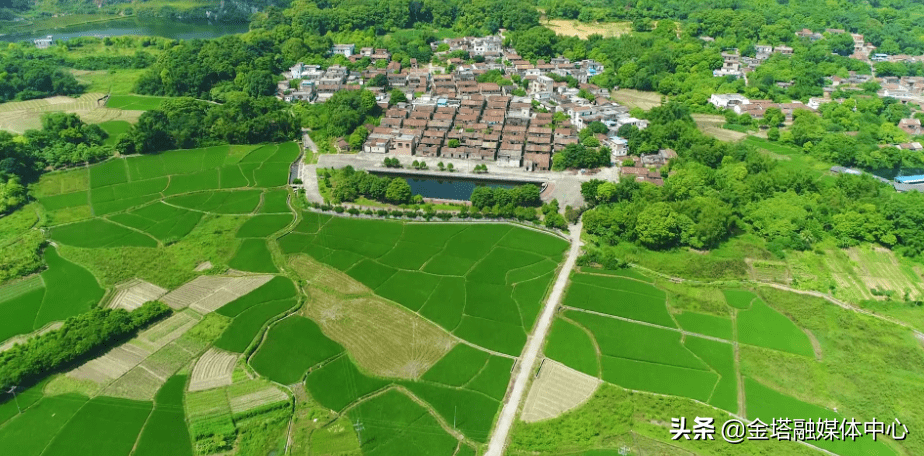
point(910, 126)
point(345, 50)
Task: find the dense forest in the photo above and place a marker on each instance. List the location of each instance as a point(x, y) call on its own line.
point(22, 78)
point(185, 123)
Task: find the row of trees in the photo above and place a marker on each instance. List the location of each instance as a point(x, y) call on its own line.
point(384, 16)
point(347, 184)
point(184, 123)
point(717, 189)
point(527, 195)
point(80, 337)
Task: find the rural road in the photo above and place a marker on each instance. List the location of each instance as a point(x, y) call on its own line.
point(531, 351)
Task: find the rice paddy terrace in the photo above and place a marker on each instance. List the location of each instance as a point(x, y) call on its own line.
point(298, 332)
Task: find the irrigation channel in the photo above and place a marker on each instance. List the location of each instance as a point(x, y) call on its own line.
point(448, 186)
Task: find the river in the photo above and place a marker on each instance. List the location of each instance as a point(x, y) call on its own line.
point(136, 26)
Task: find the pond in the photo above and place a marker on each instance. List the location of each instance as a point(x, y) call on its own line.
point(450, 188)
point(136, 26)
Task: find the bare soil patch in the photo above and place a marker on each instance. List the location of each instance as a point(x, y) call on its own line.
point(384, 339)
point(205, 294)
point(213, 369)
point(167, 331)
point(582, 30)
point(19, 116)
point(132, 294)
point(636, 98)
point(318, 274)
point(880, 269)
point(114, 364)
point(558, 389)
point(711, 125)
point(254, 398)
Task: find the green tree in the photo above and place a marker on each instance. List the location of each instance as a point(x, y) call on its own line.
point(399, 191)
point(397, 96)
point(658, 226)
point(12, 195)
point(358, 137)
point(482, 197)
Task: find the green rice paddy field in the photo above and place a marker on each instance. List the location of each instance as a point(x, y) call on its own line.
point(72, 424)
point(747, 351)
point(620, 328)
point(479, 282)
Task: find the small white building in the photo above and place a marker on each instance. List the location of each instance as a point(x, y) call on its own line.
point(44, 43)
point(727, 100)
point(345, 50)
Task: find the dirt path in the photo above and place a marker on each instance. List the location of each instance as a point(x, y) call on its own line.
point(531, 351)
point(742, 402)
point(682, 331)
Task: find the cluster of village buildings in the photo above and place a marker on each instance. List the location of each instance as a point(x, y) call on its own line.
point(736, 65)
point(453, 115)
point(756, 108)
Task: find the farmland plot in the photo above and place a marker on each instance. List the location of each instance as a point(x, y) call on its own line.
point(500, 296)
point(208, 293)
point(556, 390)
point(763, 326)
point(213, 369)
point(104, 426)
point(384, 339)
point(165, 432)
point(133, 294)
point(291, 347)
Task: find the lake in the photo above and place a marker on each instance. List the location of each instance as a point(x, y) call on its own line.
point(136, 26)
point(450, 188)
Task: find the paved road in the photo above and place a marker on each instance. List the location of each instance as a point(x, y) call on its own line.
point(531, 351)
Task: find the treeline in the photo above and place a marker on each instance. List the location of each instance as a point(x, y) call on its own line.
point(716, 189)
point(25, 78)
point(184, 123)
point(889, 25)
point(81, 337)
point(64, 140)
point(526, 195)
point(486, 16)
